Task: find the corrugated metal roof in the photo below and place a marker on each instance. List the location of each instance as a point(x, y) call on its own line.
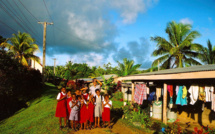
point(99, 78)
point(181, 70)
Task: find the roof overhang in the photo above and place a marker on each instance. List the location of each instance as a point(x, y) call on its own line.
point(176, 76)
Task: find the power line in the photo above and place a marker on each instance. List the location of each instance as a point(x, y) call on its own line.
point(8, 26)
point(12, 17)
point(29, 28)
point(70, 34)
point(29, 11)
point(47, 10)
point(24, 15)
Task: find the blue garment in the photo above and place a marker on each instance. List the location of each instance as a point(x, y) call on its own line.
point(151, 97)
point(179, 99)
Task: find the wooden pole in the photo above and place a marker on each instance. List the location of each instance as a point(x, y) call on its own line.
point(54, 65)
point(165, 104)
point(44, 47)
point(132, 95)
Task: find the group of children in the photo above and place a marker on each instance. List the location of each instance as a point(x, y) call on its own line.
point(81, 108)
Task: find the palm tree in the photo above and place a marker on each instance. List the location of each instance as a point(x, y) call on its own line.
point(207, 54)
point(23, 47)
point(127, 67)
point(179, 49)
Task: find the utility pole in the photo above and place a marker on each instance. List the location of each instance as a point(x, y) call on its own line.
point(54, 64)
point(44, 46)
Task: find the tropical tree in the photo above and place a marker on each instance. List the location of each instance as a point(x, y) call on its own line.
point(207, 54)
point(179, 49)
point(3, 42)
point(127, 67)
point(23, 47)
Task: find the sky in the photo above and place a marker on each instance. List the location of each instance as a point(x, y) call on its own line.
point(100, 31)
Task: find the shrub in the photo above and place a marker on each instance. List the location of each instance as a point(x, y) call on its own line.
point(117, 96)
point(18, 84)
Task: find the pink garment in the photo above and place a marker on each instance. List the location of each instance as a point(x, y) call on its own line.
point(140, 93)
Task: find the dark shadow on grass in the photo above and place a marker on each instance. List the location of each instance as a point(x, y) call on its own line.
point(116, 114)
point(47, 90)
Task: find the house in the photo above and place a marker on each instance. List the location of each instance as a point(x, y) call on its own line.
point(196, 75)
point(34, 64)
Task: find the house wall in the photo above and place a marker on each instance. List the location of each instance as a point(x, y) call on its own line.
point(194, 114)
point(36, 65)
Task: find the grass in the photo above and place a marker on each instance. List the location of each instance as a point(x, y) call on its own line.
point(117, 104)
point(39, 117)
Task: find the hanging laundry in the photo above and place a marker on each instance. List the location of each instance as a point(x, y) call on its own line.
point(213, 99)
point(208, 94)
point(182, 96)
point(147, 90)
point(140, 93)
point(202, 94)
point(170, 89)
point(158, 93)
point(176, 90)
point(194, 93)
point(151, 97)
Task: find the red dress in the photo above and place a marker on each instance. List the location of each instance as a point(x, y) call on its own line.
point(68, 107)
point(61, 110)
point(83, 114)
point(106, 114)
point(90, 112)
point(85, 96)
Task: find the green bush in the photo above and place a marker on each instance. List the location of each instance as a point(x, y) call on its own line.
point(18, 84)
point(118, 96)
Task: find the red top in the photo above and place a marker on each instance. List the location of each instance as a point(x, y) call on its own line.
point(68, 107)
point(85, 96)
point(61, 110)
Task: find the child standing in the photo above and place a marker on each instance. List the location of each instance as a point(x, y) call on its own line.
point(74, 104)
point(98, 108)
point(61, 110)
point(69, 98)
point(85, 94)
point(90, 110)
point(83, 113)
point(106, 110)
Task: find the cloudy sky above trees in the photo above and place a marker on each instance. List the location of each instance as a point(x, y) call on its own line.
point(102, 31)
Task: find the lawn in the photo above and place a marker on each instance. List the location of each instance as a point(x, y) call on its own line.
point(39, 117)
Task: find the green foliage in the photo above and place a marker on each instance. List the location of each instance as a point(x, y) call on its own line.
point(23, 47)
point(18, 84)
point(207, 54)
point(107, 84)
point(117, 96)
point(179, 49)
point(127, 67)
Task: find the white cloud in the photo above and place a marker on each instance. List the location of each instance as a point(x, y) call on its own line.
point(129, 9)
point(186, 21)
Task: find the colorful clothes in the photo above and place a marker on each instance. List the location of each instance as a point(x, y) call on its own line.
point(184, 92)
point(106, 114)
point(176, 90)
point(61, 110)
point(202, 94)
point(194, 93)
point(180, 100)
point(140, 93)
point(170, 90)
point(90, 112)
point(68, 106)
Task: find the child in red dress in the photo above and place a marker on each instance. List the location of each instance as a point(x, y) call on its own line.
point(69, 98)
point(83, 113)
point(85, 94)
point(61, 110)
point(106, 105)
point(90, 111)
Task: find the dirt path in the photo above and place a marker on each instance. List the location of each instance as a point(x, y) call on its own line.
point(118, 128)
